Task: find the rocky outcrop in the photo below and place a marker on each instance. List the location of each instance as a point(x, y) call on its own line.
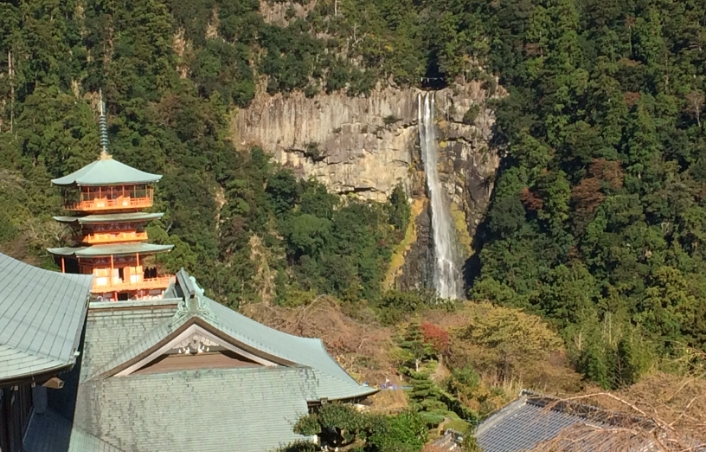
point(367, 145)
point(363, 145)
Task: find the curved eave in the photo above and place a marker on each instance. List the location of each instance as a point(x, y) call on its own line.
point(365, 391)
point(106, 172)
point(39, 375)
point(109, 184)
point(110, 250)
point(110, 218)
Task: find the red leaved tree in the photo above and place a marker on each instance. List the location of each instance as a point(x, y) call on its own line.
point(437, 338)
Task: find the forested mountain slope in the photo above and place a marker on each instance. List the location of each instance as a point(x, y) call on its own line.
point(598, 216)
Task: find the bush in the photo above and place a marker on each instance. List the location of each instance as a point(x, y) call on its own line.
point(399, 209)
point(340, 425)
point(314, 152)
point(389, 120)
point(470, 116)
point(396, 305)
point(436, 337)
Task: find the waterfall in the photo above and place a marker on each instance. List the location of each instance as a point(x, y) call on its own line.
point(447, 275)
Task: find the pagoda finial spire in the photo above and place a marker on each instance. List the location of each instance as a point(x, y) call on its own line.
point(104, 129)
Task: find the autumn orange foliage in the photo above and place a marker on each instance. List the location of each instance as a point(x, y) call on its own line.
point(437, 337)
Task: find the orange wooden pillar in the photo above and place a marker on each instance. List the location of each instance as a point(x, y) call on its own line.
point(110, 278)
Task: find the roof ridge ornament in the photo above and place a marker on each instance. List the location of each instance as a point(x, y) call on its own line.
point(194, 303)
point(103, 129)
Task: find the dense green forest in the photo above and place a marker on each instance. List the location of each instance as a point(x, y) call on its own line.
point(599, 212)
point(244, 226)
point(598, 216)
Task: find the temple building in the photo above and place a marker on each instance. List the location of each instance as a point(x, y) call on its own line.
point(107, 199)
point(42, 314)
point(186, 373)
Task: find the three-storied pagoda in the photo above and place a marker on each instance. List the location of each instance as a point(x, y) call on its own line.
point(107, 198)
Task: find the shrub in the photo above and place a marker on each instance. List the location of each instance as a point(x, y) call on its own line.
point(470, 116)
point(390, 119)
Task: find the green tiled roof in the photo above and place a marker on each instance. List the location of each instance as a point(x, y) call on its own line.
point(110, 218)
point(110, 332)
point(245, 409)
point(107, 250)
point(106, 171)
point(210, 410)
point(335, 383)
point(49, 432)
point(41, 318)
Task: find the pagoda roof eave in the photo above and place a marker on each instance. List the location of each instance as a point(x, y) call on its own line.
point(110, 218)
point(106, 172)
point(110, 250)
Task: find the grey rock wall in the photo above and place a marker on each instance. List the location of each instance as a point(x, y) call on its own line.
point(367, 145)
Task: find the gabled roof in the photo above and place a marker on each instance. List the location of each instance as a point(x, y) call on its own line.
point(106, 171)
point(209, 410)
point(246, 408)
point(110, 218)
point(108, 250)
point(244, 333)
point(41, 318)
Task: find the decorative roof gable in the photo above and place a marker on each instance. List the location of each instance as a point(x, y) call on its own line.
point(197, 315)
point(193, 303)
point(246, 382)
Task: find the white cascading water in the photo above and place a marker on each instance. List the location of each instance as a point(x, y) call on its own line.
point(447, 276)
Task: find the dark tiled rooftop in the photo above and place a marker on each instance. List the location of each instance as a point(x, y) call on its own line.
point(522, 425)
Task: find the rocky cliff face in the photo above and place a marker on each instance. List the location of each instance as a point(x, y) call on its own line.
point(361, 144)
point(367, 145)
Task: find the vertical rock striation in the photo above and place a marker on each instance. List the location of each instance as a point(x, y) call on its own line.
point(367, 145)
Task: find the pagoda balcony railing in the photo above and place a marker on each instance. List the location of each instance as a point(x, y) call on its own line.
point(114, 237)
point(104, 285)
point(100, 204)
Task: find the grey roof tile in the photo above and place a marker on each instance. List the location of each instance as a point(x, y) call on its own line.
point(49, 432)
point(334, 381)
point(110, 332)
point(41, 317)
point(245, 409)
point(213, 410)
point(522, 425)
point(108, 218)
